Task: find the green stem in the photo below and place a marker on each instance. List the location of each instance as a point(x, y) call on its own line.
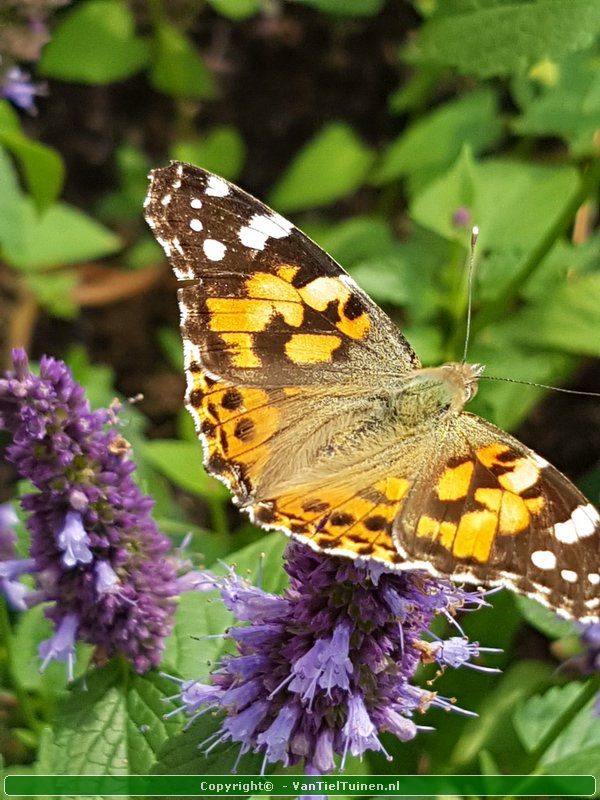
point(22, 696)
point(496, 310)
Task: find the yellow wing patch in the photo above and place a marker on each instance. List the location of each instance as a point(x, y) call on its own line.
point(472, 515)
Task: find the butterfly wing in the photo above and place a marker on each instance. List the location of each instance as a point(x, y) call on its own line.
point(487, 509)
point(272, 328)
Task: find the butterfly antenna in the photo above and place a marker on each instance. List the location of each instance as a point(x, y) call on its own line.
point(540, 386)
point(474, 235)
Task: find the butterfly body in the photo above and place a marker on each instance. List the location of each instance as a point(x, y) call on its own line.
point(316, 412)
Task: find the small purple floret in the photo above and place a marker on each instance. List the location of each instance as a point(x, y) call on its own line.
point(16, 85)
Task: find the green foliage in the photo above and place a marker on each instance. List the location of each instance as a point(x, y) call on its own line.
point(505, 38)
point(91, 30)
point(493, 123)
point(236, 9)
point(42, 166)
point(221, 150)
point(100, 724)
point(176, 68)
point(431, 144)
point(333, 164)
point(561, 99)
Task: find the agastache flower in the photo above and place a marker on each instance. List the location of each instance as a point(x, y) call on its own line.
point(96, 553)
point(326, 668)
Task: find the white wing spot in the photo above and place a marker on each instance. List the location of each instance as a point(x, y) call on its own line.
point(196, 203)
point(584, 521)
point(216, 187)
point(147, 201)
point(593, 603)
point(177, 245)
point(176, 184)
point(543, 559)
point(262, 227)
point(214, 250)
point(179, 170)
point(568, 575)
point(196, 225)
point(594, 578)
point(166, 200)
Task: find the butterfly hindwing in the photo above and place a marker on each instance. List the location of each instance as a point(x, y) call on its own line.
point(487, 509)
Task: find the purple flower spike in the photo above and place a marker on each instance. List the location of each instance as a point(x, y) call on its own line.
point(97, 555)
point(325, 669)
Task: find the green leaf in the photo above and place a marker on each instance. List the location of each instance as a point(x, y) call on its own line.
point(181, 462)
point(262, 562)
point(545, 620)
point(566, 321)
point(111, 723)
point(221, 150)
point(357, 238)
point(199, 615)
point(170, 344)
point(54, 291)
point(509, 38)
point(61, 235)
point(181, 755)
point(568, 106)
point(98, 379)
point(330, 166)
point(347, 8)
point(42, 166)
point(513, 203)
point(498, 347)
point(9, 119)
point(95, 43)
point(177, 68)
point(577, 748)
point(433, 142)
point(12, 207)
point(125, 202)
point(236, 9)
point(493, 729)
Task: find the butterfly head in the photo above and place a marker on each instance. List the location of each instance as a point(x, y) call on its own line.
point(465, 378)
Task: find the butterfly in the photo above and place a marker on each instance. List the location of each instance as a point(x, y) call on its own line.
point(315, 411)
